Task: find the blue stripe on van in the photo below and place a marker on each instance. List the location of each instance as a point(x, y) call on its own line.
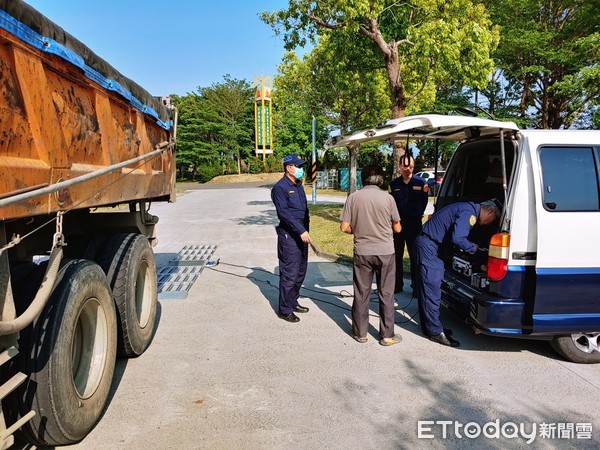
point(567, 300)
point(533, 302)
point(568, 271)
point(566, 323)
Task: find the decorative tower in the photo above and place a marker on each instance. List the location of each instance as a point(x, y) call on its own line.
point(263, 130)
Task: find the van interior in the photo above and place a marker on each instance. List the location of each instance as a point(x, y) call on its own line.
point(476, 176)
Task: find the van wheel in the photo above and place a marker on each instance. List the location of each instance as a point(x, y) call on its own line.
point(579, 347)
point(129, 264)
point(69, 354)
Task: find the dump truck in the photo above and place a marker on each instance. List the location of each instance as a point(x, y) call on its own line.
point(84, 151)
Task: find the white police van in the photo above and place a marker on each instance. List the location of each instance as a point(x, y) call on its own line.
point(541, 276)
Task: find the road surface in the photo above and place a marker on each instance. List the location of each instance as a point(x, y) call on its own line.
point(224, 372)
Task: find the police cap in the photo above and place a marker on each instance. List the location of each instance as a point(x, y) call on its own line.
point(293, 159)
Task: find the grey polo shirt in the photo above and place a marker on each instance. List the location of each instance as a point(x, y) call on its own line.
point(370, 212)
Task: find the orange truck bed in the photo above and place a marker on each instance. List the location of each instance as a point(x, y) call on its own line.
point(78, 281)
point(62, 118)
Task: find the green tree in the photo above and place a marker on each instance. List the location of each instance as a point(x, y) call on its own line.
point(421, 44)
point(232, 103)
point(448, 99)
point(196, 135)
point(293, 109)
point(216, 125)
point(348, 88)
point(346, 85)
point(292, 130)
point(549, 54)
point(336, 83)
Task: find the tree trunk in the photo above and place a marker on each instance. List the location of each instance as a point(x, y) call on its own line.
point(398, 151)
point(398, 100)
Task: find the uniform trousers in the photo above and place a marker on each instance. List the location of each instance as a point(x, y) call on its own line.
point(384, 269)
point(430, 272)
point(411, 227)
point(293, 260)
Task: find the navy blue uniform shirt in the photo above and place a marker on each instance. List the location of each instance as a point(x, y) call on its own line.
point(453, 224)
point(290, 201)
point(411, 197)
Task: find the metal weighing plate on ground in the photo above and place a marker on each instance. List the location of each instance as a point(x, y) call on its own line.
point(177, 278)
point(193, 255)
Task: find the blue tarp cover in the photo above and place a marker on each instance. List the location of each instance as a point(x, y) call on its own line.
point(24, 22)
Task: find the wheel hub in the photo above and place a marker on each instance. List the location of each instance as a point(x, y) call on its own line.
point(89, 349)
point(587, 342)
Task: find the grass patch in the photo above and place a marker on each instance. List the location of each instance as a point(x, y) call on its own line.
point(325, 232)
point(328, 192)
point(247, 177)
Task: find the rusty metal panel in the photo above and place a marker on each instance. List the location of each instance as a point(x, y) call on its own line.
point(56, 124)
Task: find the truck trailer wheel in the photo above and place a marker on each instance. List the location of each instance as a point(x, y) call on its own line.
point(69, 354)
point(579, 347)
point(128, 261)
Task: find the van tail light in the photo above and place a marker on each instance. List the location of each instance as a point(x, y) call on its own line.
point(498, 256)
point(439, 179)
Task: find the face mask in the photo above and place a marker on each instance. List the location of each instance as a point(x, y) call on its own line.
point(299, 173)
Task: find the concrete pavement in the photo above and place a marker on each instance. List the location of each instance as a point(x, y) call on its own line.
point(224, 372)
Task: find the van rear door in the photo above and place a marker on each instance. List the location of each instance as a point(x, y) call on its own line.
point(429, 126)
point(566, 184)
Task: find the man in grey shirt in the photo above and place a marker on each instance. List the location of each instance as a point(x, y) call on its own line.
point(372, 217)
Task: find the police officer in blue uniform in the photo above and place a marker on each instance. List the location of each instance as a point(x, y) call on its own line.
point(411, 195)
point(292, 236)
point(448, 226)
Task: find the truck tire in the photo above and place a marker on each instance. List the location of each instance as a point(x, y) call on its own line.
point(579, 348)
point(22, 275)
point(129, 264)
point(69, 354)
point(94, 246)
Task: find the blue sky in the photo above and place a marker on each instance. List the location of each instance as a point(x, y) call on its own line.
point(174, 47)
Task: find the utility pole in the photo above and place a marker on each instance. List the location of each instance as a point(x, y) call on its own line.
point(313, 171)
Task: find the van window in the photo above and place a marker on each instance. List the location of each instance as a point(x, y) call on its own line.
point(570, 179)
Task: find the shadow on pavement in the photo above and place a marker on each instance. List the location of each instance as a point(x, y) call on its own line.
point(320, 286)
point(469, 423)
point(268, 217)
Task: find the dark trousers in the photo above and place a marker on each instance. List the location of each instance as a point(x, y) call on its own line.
point(411, 228)
point(384, 269)
point(430, 272)
point(293, 259)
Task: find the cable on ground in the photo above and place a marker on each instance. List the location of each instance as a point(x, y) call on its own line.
point(342, 294)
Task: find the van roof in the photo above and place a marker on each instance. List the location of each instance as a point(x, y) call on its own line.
point(428, 126)
point(569, 138)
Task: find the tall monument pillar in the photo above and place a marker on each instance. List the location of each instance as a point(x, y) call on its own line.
point(263, 130)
